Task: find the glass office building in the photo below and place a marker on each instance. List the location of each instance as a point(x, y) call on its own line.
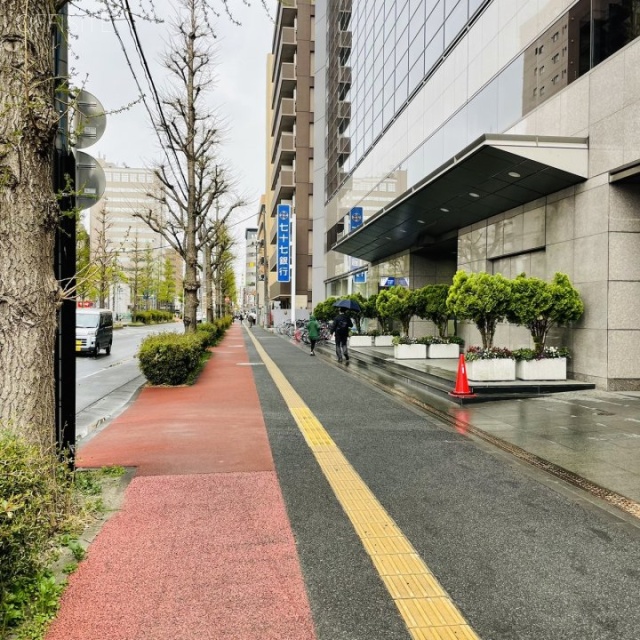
point(485, 135)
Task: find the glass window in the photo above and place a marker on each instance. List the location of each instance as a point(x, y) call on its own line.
point(402, 68)
point(402, 90)
point(615, 24)
point(434, 50)
point(416, 73)
point(455, 23)
point(416, 28)
point(434, 21)
point(402, 18)
point(416, 49)
point(451, 5)
point(474, 5)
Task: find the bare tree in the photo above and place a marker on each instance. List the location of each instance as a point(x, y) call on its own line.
point(104, 255)
point(29, 213)
point(194, 181)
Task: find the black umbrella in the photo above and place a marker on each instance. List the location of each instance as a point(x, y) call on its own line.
point(351, 305)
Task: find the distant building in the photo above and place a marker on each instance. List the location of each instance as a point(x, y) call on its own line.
point(290, 153)
point(113, 225)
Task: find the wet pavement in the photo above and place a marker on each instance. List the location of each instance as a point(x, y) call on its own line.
point(591, 433)
point(283, 496)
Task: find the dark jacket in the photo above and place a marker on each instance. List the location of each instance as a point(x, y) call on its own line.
point(337, 321)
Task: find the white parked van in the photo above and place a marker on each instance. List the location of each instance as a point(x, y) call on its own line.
point(94, 331)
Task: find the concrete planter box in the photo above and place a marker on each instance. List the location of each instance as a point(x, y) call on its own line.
point(383, 341)
point(410, 351)
point(443, 351)
point(545, 369)
point(360, 341)
point(491, 370)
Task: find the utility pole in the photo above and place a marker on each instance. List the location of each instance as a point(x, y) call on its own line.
point(65, 254)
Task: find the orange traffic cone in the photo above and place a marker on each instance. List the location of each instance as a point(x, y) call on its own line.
point(462, 389)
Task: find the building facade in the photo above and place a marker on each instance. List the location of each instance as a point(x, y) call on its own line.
point(116, 231)
point(249, 292)
point(290, 157)
point(485, 135)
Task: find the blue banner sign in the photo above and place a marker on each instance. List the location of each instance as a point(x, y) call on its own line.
point(391, 281)
point(360, 278)
point(284, 243)
point(356, 215)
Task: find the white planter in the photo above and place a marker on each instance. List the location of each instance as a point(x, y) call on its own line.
point(491, 370)
point(443, 351)
point(383, 341)
point(545, 369)
point(360, 341)
point(410, 351)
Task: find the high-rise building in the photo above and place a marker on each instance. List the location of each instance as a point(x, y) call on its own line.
point(250, 269)
point(115, 230)
point(290, 158)
point(485, 135)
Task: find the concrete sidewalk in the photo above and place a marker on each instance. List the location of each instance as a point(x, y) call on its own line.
point(590, 438)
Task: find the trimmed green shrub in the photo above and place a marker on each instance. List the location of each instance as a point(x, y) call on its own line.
point(212, 331)
point(539, 306)
point(431, 304)
point(170, 358)
point(152, 316)
point(482, 298)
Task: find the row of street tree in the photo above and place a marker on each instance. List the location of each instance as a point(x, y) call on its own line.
point(197, 198)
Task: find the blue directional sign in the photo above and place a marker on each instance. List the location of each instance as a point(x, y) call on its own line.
point(360, 278)
point(357, 216)
point(284, 243)
point(391, 281)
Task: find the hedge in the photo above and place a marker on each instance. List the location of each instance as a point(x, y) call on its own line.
point(170, 358)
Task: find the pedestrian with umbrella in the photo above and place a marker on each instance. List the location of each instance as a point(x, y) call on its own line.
point(342, 323)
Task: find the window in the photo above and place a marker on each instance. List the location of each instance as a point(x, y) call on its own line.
point(555, 79)
point(555, 36)
point(555, 58)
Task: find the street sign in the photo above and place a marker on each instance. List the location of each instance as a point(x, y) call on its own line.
point(90, 180)
point(284, 243)
point(89, 120)
point(356, 217)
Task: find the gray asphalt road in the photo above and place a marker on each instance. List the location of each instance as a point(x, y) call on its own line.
point(524, 557)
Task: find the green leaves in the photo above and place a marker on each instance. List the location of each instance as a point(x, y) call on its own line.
point(481, 297)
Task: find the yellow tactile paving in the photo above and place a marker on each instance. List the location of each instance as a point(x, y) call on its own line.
point(423, 604)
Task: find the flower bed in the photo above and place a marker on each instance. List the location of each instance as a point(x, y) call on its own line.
point(549, 364)
point(490, 365)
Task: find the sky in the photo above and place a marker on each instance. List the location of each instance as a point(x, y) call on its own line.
point(238, 96)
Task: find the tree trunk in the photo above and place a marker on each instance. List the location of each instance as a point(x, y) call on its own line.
point(208, 281)
point(29, 292)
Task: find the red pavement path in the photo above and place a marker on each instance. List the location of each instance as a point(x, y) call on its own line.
point(202, 548)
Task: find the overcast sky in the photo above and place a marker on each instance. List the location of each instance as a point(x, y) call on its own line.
point(238, 95)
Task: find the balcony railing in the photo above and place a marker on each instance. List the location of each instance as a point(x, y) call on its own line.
point(284, 153)
point(285, 116)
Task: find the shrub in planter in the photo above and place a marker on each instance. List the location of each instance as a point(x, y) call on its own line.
point(539, 306)
point(397, 303)
point(431, 304)
point(494, 363)
point(170, 358)
point(492, 353)
point(482, 298)
point(548, 364)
